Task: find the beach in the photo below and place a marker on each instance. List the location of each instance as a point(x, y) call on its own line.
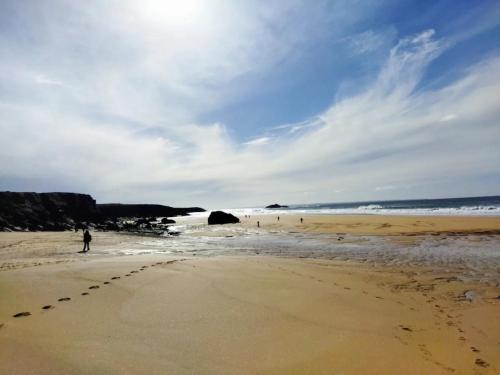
point(393, 225)
point(128, 307)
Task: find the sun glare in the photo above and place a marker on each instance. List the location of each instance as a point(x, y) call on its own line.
point(173, 12)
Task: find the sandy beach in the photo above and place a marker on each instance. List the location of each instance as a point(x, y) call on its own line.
point(114, 313)
point(375, 225)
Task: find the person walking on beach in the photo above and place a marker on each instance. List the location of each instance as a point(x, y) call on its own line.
point(278, 218)
point(258, 224)
point(86, 241)
point(301, 220)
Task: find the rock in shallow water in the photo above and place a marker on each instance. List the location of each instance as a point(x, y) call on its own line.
point(220, 217)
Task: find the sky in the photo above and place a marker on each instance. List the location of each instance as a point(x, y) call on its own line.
point(224, 104)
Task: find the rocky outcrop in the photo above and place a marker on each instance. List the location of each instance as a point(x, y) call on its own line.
point(45, 211)
point(276, 205)
point(62, 211)
point(221, 217)
point(114, 210)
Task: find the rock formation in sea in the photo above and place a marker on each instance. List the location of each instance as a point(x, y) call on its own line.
point(276, 205)
point(221, 217)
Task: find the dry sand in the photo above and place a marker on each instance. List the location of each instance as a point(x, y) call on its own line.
point(237, 315)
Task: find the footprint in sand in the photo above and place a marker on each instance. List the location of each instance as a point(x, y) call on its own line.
point(481, 363)
point(21, 314)
point(134, 271)
point(474, 349)
point(106, 283)
point(404, 328)
point(47, 307)
point(128, 274)
point(423, 349)
point(115, 277)
point(85, 293)
point(379, 297)
point(1, 325)
point(94, 287)
point(64, 299)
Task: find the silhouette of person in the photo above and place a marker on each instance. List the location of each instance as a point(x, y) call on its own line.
point(301, 220)
point(278, 218)
point(86, 241)
point(258, 224)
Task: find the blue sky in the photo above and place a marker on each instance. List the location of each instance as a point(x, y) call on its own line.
point(226, 104)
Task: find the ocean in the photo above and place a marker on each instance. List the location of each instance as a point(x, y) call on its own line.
point(482, 206)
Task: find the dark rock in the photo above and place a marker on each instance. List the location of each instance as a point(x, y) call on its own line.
point(142, 221)
point(45, 211)
point(167, 221)
point(276, 205)
point(71, 211)
point(220, 217)
point(144, 210)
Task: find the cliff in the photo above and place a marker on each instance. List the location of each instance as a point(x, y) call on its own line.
point(61, 211)
point(45, 211)
point(114, 210)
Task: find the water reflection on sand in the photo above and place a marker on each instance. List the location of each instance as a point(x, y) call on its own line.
point(474, 256)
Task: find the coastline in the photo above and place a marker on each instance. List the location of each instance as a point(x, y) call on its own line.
point(245, 314)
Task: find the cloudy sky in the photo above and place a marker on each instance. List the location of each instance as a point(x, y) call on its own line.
point(241, 103)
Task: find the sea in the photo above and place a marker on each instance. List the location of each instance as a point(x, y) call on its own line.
point(482, 206)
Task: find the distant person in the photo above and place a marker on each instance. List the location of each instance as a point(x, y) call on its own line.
point(301, 220)
point(86, 241)
point(258, 224)
point(278, 218)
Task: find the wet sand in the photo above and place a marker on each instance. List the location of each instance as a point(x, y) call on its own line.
point(234, 314)
point(383, 225)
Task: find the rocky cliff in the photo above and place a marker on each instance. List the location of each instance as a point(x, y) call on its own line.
point(114, 210)
point(45, 211)
point(62, 211)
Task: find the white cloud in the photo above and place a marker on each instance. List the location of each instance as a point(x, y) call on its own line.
point(370, 40)
point(43, 80)
point(124, 123)
point(258, 141)
point(448, 117)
